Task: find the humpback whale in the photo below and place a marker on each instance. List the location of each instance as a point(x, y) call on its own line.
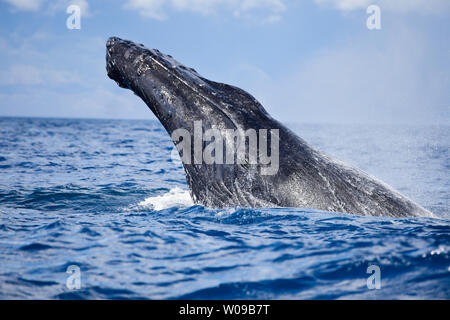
point(294, 175)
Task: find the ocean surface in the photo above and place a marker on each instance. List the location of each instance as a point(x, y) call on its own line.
point(106, 200)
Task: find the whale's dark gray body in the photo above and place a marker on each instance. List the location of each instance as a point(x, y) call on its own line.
point(306, 177)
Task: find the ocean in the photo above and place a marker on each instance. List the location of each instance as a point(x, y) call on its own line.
point(99, 209)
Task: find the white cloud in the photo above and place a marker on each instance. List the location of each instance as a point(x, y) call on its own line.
point(157, 9)
point(399, 78)
point(420, 6)
point(61, 5)
point(93, 103)
point(25, 5)
point(47, 6)
point(37, 80)
point(22, 74)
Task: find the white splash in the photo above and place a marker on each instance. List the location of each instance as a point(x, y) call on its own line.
point(176, 197)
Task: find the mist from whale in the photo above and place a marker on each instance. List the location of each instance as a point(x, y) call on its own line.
point(305, 177)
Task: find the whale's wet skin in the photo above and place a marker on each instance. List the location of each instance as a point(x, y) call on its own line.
point(295, 175)
point(106, 196)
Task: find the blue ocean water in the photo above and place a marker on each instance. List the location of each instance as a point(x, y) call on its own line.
point(106, 196)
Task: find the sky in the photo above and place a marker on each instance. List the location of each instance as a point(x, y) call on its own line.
point(304, 60)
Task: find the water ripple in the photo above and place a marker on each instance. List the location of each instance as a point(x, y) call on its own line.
point(104, 196)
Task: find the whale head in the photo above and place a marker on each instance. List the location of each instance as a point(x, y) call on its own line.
point(177, 94)
point(183, 100)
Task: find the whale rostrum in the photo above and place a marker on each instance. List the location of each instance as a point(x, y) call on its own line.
point(234, 153)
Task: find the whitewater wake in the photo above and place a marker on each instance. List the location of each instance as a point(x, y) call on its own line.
point(176, 197)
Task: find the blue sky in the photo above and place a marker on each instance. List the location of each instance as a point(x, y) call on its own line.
point(306, 61)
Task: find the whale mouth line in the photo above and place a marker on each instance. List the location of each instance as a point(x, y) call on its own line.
point(114, 72)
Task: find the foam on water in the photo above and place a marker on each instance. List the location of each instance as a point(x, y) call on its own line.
point(176, 197)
